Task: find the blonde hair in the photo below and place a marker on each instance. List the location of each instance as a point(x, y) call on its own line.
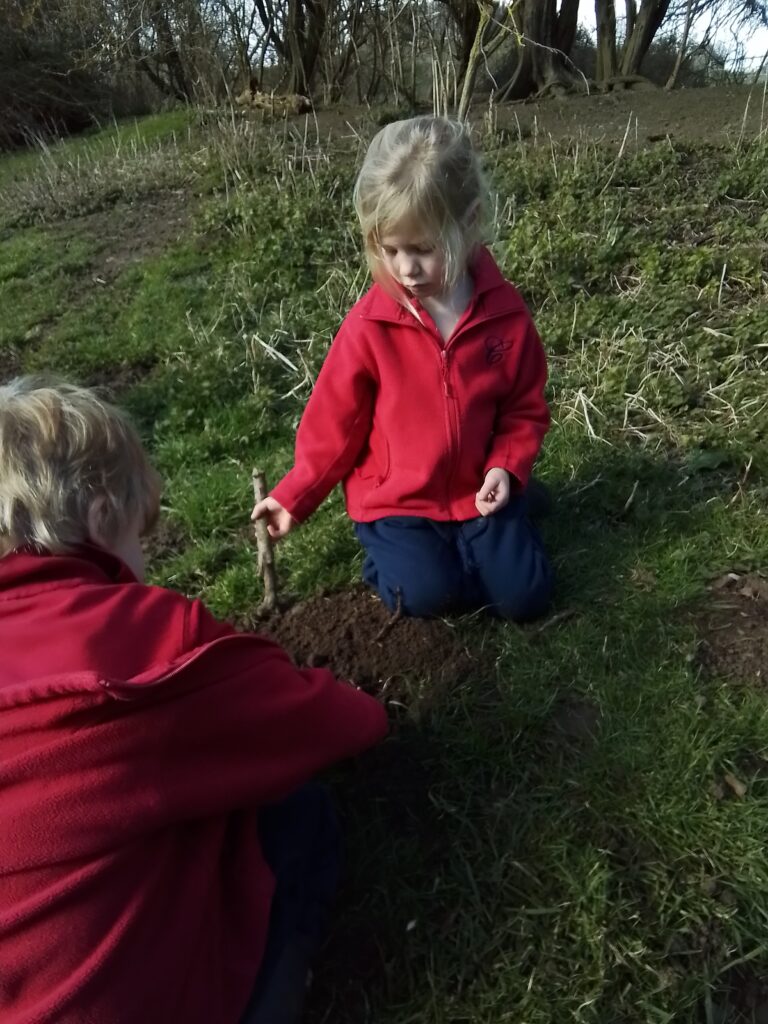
point(422, 173)
point(62, 448)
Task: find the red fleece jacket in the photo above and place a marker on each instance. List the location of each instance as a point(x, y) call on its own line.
point(412, 426)
point(137, 738)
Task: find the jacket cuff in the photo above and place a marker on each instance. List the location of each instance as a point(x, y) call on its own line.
point(519, 470)
point(300, 507)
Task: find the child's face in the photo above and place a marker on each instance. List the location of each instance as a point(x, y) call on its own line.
point(415, 262)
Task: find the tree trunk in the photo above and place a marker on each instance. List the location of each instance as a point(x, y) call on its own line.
point(317, 16)
point(305, 27)
point(605, 18)
point(293, 31)
point(341, 71)
point(683, 44)
point(470, 72)
point(154, 66)
point(647, 24)
point(567, 25)
point(465, 15)
point(541, 63)
point(629, 27)
point(168, 52)
point(378, 55)
point(759, 71)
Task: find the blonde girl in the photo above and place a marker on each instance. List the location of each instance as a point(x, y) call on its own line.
point(429, 408)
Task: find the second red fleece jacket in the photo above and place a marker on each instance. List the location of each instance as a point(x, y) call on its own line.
point(411, 426)
point(138, 739)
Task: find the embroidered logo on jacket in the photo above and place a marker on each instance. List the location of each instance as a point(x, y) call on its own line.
point(495, 348)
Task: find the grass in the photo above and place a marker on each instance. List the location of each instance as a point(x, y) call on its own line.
point(102, 143)
point(498, 871)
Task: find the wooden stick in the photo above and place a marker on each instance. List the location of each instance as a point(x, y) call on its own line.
point(395, 617)
point(266, 552)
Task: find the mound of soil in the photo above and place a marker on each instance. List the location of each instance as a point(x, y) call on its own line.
point(733, 626)
point(353, 634)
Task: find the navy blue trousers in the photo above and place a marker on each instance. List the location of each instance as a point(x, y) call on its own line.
point(301, 843)
point(430, 567)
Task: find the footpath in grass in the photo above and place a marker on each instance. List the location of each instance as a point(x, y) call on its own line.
point(569, 820)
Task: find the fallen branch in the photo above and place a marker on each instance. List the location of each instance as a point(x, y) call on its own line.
point(265, 548)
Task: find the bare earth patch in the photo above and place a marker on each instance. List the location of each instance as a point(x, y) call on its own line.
point(712, 115)
point(648, 115)
point(353, 634)
point(733, 627)
point(132, 232)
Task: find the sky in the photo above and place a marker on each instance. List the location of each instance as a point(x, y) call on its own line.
point(754, 41)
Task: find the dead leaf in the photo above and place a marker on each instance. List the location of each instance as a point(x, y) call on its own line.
point(724, 581)
point(736, 785)
point(643, 579)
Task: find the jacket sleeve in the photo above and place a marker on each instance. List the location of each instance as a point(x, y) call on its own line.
point(523, 418)
point(333, 430)
point(248, 727)
point(236, 726)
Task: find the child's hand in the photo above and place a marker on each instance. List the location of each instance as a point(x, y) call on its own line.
point(494, 494)
point(279, 521)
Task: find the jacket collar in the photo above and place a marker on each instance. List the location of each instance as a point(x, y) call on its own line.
point(492, 296)
point(33, 571)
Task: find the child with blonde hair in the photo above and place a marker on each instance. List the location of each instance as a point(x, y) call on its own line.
point(163, 856)
point(430, 404)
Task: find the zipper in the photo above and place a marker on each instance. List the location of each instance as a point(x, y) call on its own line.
point(131, 689)
point(452, 429)
point(451, 418)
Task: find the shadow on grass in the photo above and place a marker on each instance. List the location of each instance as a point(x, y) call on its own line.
point(503, 835)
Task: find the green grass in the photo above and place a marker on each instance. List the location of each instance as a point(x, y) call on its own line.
point(497, 871)
point(119, 135)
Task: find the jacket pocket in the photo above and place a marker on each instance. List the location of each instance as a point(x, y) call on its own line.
point(375, 468)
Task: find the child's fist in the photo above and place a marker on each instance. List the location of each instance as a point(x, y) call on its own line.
point(279, 521)
point(494, 494)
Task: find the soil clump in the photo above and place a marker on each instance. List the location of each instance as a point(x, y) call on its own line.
point(353, 634)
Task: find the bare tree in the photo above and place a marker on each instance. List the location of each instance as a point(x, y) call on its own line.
point(623, 63)
point(544, 36)
point(683, 45)
point(605, 19)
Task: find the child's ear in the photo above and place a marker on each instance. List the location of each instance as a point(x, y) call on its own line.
point(96, 511)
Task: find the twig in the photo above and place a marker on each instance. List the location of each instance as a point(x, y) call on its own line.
point(630, 500)
point(618, 158)
point(585, 487)
point(266, 552)
point(395, 617)
point(556, 619)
